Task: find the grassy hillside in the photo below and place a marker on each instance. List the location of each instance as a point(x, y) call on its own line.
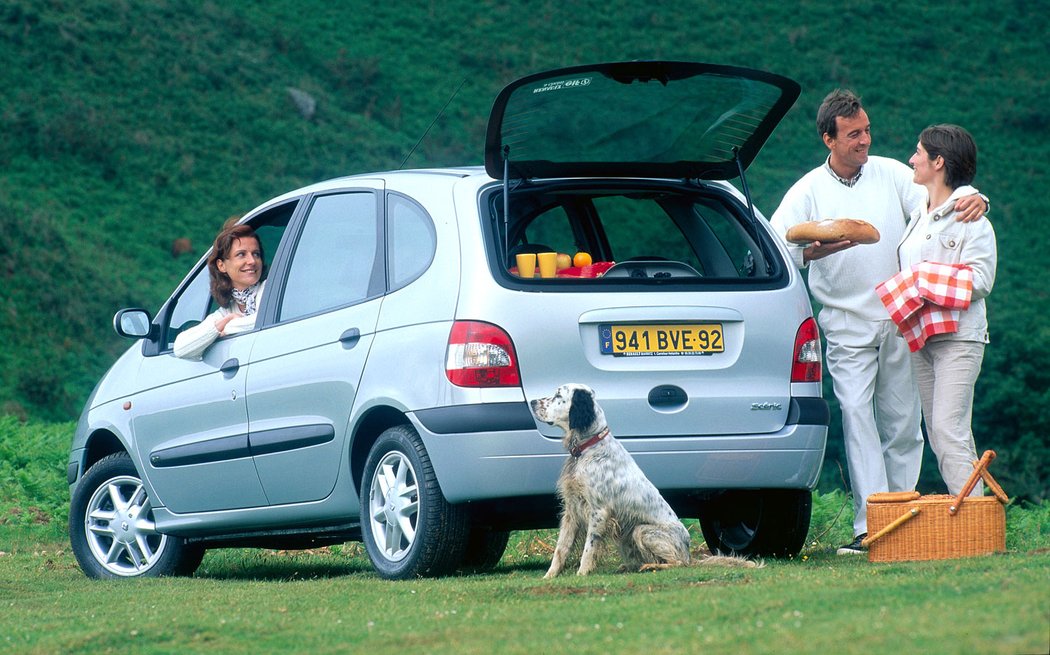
point(127, 125)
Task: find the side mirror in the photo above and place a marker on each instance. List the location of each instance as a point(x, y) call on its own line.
point(134, 324)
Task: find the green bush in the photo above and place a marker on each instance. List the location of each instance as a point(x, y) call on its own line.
point(33, 489)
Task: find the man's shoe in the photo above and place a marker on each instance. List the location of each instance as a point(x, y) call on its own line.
point(854, 547)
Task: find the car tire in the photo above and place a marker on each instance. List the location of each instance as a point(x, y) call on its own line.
point(408, 528)
point(111, 528)
point(485, 548)
point(762, 523)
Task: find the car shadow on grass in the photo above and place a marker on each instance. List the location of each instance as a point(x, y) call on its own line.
point(322, 563)
point(261, 564)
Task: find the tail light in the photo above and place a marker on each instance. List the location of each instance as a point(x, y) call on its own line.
point(805, 367)
point(481, 355)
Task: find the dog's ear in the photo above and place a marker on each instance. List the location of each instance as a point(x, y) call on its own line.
point(581, 413)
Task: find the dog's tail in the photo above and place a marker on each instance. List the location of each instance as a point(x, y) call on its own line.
point(729, 560)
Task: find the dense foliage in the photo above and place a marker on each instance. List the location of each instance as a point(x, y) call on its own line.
point(127, 125)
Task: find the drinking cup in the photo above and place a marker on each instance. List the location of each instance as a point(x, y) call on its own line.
point(548, 263)
point(526, 264)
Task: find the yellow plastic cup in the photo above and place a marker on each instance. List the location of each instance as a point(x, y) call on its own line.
point(526, 264)
point(548, 262)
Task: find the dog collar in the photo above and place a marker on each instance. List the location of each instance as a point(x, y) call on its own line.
point(576, 451)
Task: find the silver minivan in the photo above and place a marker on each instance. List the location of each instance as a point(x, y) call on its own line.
point(383, 394)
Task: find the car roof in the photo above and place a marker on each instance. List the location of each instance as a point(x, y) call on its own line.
point(657, 119)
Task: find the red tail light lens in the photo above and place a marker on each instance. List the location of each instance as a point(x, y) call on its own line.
point(805, 367)
point(481, 355)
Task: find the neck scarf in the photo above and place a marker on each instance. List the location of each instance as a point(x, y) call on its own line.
point(246, 297)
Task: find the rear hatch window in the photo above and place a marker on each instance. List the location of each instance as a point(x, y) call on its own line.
point(635, 119)
point(632, 233)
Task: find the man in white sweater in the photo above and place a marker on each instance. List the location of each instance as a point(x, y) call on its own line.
point(867, 358)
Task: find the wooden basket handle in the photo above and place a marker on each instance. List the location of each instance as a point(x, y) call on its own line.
point(899, 521)
point(993, 485)
point(978, 468)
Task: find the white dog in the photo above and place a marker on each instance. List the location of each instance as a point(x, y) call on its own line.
point(604, 494)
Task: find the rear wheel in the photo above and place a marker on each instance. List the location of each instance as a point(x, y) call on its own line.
point(407, 526)
point(485, 548)
point(111, 528)
point(762, 523)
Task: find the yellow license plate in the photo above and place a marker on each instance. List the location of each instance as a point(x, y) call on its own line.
point(635, 340)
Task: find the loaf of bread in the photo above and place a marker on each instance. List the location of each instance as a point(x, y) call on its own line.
point(833, 229)
point(893, 496)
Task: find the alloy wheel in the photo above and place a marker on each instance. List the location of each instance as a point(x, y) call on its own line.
point(119, 527)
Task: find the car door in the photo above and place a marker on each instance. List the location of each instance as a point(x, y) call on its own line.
point(305, 369)
point(190, 422)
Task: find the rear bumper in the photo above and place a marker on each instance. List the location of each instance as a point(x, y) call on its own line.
point(494, 463)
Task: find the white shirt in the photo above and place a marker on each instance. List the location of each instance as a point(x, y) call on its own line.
point(884, 196)
point(191, 343)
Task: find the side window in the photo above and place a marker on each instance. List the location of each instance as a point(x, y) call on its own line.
point(642, 228)
point(732, 251)
point(190, 308)
point(552, 230)
point(411, 240)
point(335, 258)
point(195, 302)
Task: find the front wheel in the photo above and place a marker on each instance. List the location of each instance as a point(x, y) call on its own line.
point(757, 523)
point(407, 526)
point(111, 528)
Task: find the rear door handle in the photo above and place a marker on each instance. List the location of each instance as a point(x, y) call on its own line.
point(350, 338)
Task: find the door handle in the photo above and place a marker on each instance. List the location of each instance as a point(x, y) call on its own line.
point(350, 338)
point(230, 366)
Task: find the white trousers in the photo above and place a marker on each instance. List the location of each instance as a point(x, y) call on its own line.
point(946, 372)
point(871, 368)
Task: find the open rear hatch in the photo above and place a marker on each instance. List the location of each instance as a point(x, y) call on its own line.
point(675, 122)
point(662, 119)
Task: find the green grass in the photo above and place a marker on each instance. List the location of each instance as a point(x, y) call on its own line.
point(329, 600)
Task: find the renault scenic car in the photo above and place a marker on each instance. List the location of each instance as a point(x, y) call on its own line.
point(383, 394)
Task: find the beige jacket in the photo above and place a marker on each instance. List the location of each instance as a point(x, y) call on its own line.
point(935, 236)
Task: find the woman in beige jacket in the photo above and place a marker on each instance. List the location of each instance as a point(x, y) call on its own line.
point(946, 368)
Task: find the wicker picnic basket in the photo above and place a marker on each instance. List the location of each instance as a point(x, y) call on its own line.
point(909, 526)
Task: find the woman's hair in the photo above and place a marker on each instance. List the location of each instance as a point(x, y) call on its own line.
point(840, 102)
point(221, 285)
point(958, 149)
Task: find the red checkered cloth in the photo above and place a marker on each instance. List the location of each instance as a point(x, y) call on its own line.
point(925, 299)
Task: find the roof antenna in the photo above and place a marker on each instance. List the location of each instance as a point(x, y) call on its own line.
point(427, 131)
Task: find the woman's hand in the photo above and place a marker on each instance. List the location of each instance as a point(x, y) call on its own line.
point(220, 324)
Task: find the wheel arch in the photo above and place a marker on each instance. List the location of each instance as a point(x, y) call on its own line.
point(366, 433)
point(101, 443)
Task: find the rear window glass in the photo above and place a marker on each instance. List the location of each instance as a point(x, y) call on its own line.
point(638, 235)
point(636, 119)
